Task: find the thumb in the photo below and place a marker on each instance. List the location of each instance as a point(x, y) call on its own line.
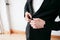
point(30, 16)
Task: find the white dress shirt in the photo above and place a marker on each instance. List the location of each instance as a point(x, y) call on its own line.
point(37, 4)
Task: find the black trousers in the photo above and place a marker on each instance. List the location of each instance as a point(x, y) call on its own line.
point(37, 34)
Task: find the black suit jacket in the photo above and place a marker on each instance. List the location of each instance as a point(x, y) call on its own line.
point(48, 12)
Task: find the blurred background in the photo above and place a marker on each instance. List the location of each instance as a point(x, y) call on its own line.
point(12, 21)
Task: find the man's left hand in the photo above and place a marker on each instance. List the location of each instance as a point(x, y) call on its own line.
point(37, 23)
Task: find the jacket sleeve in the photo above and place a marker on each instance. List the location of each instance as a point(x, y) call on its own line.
point(53, 25)
point(26, 8)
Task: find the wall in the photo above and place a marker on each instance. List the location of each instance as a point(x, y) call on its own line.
point(17, 14)
point(3, 15)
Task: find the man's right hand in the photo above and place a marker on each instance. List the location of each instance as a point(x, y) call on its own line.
point(28, 17)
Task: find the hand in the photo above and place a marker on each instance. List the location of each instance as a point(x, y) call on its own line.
point(28, 17)
point(37, 23)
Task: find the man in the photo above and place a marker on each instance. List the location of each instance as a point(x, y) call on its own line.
point(40, 15)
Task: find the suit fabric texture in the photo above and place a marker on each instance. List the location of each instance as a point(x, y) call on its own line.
point(48, 12)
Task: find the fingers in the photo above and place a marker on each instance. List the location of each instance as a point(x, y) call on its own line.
point(37, 23)
point(33, 24)
point(38, 19)
point(28, 17)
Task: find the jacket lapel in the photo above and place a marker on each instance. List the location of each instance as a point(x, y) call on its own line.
point(30, 6)
point(41, 7)
point(45, 2)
